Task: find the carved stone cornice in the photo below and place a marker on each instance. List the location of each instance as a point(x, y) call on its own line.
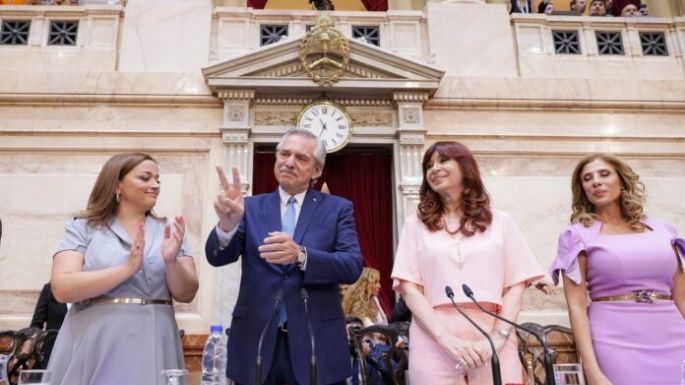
point(231, 135)
point(410, 189)
point(236, 94)
point(299, 101)
point(416, 97)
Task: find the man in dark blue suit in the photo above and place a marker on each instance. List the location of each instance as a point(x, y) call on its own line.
point(291, 238)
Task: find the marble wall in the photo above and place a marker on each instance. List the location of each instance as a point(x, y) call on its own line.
point(134, 82)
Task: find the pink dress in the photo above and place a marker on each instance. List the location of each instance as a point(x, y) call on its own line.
point(488, 262)
point(635, 343)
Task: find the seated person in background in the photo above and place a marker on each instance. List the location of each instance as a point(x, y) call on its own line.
point(400, 312)
point(373, 377)
point(577, 6)
point(48, 315)
point(546, 7)
point(520, 6)
point(598, 8)
point(619, 5)
point(610, 7)
point(361, 299)
point(630, 10)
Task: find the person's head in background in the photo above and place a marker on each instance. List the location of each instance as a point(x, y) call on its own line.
point(546, 7)
point(643, 9)
point(578, 6)
point(598, 8)
point(630, 10)
point(610, 7)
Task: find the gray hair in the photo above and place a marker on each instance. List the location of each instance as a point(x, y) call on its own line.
point(319, 150)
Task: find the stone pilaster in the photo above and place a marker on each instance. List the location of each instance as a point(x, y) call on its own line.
point(235, 132)
point(411, 134)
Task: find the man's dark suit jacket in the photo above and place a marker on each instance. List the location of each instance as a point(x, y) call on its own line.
point(326, 228)
point(49, 314)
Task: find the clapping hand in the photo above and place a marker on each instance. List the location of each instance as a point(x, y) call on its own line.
point(135, 257)
point(229, 204)
point(173, 240)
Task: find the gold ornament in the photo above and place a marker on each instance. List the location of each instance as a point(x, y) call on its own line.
point(324, 52)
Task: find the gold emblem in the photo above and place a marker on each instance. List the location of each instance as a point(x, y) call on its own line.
point(324, 52)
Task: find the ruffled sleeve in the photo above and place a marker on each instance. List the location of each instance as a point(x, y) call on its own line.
point(570, 245)
point(677, 242)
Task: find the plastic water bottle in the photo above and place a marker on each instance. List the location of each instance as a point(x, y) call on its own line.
point(214, 358)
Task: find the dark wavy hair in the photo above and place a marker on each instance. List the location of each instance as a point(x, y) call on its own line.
point(475, 201)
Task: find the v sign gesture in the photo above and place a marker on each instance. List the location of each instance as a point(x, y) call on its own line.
point(229, 204)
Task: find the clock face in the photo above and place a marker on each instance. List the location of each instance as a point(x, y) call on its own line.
point(329, 122)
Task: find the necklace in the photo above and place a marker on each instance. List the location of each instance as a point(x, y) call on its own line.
point(460, 259)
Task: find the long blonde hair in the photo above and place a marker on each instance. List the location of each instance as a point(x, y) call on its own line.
point(102, 203)
point(631, 200)
point(358, 302)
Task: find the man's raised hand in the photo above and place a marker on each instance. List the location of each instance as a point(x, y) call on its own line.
point(229, 204)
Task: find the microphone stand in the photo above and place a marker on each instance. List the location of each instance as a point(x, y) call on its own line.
point(549, 364)
point(258, 361)
point(312, 363)
point(494, 360)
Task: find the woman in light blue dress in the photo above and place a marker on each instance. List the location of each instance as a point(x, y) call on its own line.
point(121, 266)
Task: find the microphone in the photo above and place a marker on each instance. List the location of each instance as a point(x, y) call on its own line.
point(549, 365)
point(258, 362)
point(494, 360)
point(312, 363)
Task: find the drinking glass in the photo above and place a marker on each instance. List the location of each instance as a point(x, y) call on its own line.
point(34, 377)
point(174, 376)
point(4, 358)
point(569, 374)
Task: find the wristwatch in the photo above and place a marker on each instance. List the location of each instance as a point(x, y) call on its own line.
point(302, 256)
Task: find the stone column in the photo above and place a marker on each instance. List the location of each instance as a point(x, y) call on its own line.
point(235, 131)
point(412, 136)
point(235, 135)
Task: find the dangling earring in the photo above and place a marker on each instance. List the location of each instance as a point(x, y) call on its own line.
point(117, 196)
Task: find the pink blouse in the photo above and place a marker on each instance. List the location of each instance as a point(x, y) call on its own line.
point(488, 262)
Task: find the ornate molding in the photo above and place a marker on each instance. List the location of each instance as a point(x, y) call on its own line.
point(236, 94)
point(230, 135)
point(412, 138)
point(372, 118)
point(275, 118)
point(416, 97)
point(294, 101)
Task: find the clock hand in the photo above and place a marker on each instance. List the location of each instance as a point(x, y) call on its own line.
point(323, 126)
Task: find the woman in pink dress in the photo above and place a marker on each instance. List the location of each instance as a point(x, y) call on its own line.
point(623, 279)
point(457, 238)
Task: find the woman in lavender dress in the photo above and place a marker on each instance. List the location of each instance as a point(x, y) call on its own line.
point(623, 279)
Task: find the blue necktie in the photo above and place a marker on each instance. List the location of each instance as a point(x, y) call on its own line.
point(288, 223)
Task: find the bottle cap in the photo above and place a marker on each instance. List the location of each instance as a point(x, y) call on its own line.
point(216, 328)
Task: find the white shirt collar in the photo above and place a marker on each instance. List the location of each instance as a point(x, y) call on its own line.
point(299, 198)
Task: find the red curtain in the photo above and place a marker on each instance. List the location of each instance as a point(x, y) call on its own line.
point(363, 177)
point(376, 5)
point(256, 4)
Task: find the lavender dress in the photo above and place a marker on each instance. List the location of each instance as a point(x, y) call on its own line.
point(635, 343)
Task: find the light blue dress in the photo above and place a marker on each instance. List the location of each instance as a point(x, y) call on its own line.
point(104, 343)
